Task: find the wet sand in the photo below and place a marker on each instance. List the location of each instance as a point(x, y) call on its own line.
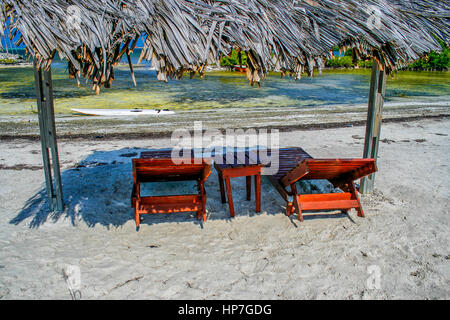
point(284, 119)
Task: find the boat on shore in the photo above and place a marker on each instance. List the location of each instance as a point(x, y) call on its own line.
point(123, 112)
point(240, 68)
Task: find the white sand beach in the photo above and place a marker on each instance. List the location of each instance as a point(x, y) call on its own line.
point(405, 236)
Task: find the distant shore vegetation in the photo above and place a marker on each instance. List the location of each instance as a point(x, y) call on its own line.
point(8, 61)
point(434, 61)
point(233, 59)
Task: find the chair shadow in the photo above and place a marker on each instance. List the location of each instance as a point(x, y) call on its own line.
point(309, 215)
point(97, 191)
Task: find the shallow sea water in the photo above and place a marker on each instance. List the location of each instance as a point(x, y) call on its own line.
point(217, 90)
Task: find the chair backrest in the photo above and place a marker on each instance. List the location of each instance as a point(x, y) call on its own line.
point(158, 170)
point(335, 168)
point(330, 169)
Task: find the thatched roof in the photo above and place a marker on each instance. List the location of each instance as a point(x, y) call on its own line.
point(183, 35)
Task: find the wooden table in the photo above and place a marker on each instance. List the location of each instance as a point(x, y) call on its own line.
point(239, 164)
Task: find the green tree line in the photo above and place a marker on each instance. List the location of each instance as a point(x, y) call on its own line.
point(233, 59)
point(433, 61)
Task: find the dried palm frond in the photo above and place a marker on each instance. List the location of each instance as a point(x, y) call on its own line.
point(293, 36)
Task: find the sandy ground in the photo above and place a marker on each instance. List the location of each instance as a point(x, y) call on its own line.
point(403, 242)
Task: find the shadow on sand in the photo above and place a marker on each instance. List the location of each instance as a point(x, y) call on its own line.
point(97, 191)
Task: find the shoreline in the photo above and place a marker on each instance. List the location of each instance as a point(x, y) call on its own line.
point(167, 134)
point(19, 65)
point(213, 68)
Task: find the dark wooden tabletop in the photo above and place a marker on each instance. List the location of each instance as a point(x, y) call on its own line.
point(289, 158)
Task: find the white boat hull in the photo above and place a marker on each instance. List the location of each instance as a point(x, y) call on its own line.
point(122, 112)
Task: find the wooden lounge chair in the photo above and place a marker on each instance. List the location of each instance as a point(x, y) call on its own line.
point(156, 169)
point(295, 164)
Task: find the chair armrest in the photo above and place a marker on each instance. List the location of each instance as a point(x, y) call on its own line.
point(295, 174)
point(206, 172)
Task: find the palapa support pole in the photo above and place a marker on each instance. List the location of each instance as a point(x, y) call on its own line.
point(374, 119)
point(44, 93)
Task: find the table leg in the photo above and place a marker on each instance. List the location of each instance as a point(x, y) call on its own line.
point(249, 187)
point(356, 197)
point(203, 195)
point(258, 192)
point(297, 207)
point(222, 188)
point(230, 196)
point(289, 208)
point(137, 217)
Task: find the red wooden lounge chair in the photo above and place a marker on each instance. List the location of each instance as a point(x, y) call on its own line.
point(295, 164)
point(157, 169)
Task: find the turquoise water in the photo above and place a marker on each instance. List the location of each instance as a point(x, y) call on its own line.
point(216, 90)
